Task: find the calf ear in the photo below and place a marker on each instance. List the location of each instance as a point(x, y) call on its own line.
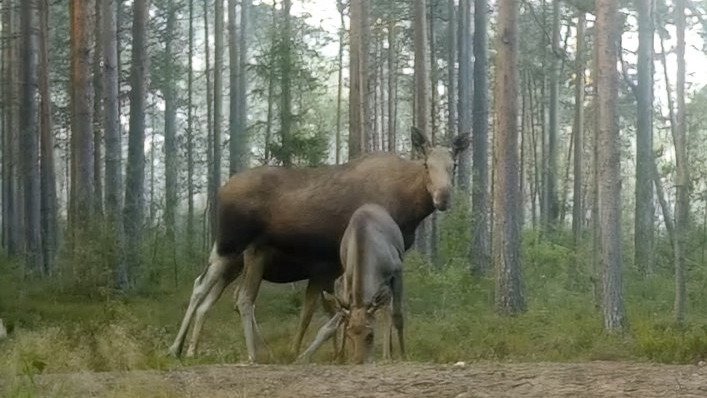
point(381, 299)
point(460, 143)
point(420, 143)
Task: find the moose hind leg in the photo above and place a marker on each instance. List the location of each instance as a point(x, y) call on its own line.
point(398, 311)
point(213, 296)
point(203, 284)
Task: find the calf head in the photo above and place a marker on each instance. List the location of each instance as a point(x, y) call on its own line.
point(359, 322)
point(440, 162)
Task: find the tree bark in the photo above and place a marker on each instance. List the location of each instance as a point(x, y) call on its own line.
point(452, 71)
point(507, 223)
point(134, 210)
point(243, 152)
point(211, 184)
point(29, 134)
point(609, 172)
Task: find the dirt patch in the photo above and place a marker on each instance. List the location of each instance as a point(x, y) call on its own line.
point(591, 379)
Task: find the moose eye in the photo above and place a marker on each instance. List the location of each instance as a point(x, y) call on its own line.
point(369, 338)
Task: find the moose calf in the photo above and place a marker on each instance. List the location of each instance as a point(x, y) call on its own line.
point(371, 252)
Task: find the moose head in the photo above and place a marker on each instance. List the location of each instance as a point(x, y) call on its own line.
point(440, 162)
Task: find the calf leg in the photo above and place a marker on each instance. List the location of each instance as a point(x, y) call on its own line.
point(203, 284)
point(252, 277)
point(387, 326)
point(325, 333)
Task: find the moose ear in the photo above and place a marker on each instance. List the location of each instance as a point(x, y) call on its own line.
point(337, 303)
point(381, 299)
point(420, 143)
point(460, 143)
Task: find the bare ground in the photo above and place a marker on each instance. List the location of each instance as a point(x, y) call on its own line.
point(484, 379)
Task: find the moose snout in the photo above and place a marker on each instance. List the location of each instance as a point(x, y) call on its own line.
point(442, 199)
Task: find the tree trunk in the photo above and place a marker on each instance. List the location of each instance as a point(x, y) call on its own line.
point(135, 169)
point(452, 72)
point(218, 109)
point(682, 200)
point(285, 87)
point(97, 111)
point(481, 237)
point(243, 152)
point(465, 92)
point(113, 136)
point(392, 87)
point(507, 223)
point(271, 92)
point(421, 95)
point(171, 165)
point(48, 195)
point(211, 184)
point(578, 127)
point(29, 133)
point(190, 134)
point(358, 74)
point(609, 172)
point(82, 117)
point(553, 123)
point(340, 81)
point(643, 226)
point(233, 68)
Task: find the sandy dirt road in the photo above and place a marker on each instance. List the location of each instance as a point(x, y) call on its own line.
point(590, 379)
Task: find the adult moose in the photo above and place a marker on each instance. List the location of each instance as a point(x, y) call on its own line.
point(372, 255)
point(302, 214)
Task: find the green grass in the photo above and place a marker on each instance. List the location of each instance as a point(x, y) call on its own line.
point(60, 326)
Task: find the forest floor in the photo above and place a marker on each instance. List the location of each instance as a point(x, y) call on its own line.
point(406, 379)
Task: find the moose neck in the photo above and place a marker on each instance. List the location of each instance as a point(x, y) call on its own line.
point(415, 202)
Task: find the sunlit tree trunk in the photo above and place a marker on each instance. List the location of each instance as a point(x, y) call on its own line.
point(609, 167)
point(421, 94)
point(510, 298)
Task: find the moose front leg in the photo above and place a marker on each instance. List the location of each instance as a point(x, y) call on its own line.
point(246, 294)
